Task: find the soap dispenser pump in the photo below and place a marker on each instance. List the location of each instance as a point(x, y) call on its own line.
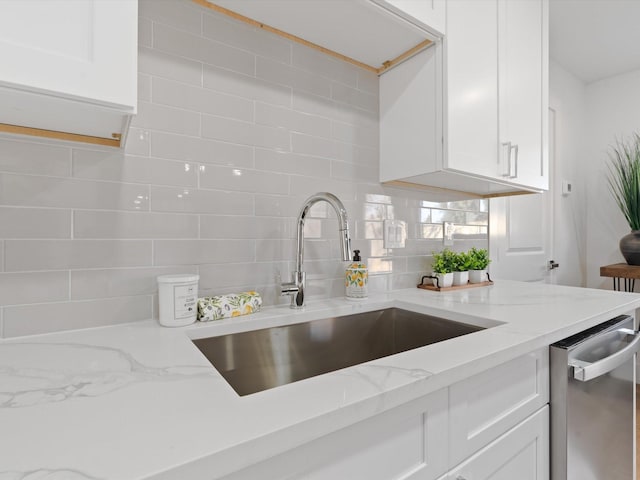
point(356, 278)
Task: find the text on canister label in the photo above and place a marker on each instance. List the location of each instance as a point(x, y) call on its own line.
point(185, 300)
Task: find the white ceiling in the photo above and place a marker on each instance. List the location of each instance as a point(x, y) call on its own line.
point(595, 39)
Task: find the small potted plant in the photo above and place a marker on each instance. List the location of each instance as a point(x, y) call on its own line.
point(478, 263)
point(442, 266)
point(461, 269)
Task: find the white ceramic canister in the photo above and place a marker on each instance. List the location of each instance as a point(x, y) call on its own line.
point(178, 299)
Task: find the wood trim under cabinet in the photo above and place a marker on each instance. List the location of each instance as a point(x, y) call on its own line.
point(417, 186)
point(377, 70)
point(73, 137)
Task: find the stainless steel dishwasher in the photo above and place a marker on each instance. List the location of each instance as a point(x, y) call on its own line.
point(593, 399)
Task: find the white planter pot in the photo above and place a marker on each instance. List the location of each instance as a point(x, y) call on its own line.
point(477, 276)
point(444, 279)
point(460, 278)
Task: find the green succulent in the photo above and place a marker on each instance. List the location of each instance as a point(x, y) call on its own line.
point(444, 262)
point(478, 259)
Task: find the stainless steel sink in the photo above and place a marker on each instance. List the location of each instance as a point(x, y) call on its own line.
point(261, 359)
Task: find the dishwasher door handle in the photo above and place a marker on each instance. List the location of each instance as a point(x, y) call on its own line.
point(585, 371)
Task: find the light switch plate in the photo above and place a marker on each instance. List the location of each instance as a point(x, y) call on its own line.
point(447, 234)
point(395, 233)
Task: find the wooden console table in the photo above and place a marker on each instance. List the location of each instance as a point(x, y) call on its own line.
point(621, 270)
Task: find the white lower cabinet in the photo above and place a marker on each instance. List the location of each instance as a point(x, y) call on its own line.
point(522, 453)
point(493, 425)
point(406, 443)
point(483, 407)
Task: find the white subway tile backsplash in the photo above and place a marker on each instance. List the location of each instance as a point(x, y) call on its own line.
point(35, 191)
point(32, 255)
point(165, 65)
point(18, 222)
point(334, 110)
point(144, 88)
point(186, 200)
point(137, 142)
point(296, 78)
point(243, 180)
point(245, 133)
point(352, 96)
point(34, 158)
point(100, 224)
point(305, 186)
point(246, 86)
point(268, 250)
point(198, 48)
point(316, 146)
point(291, 163)
point(192, 149)
point(355, 172)
point(228, 226)
point(355, 135)
point(324, 65)
point(53, 317)
point(195, 252)
point(98, 165)
point(145, 32)
point(119, 282)
point(236, 129)
point(159, 117)
point(177, 13)
point(276, 206)
point(175, 94)
point(368, 82)
point(232, 32)
point(216, 277)
point(294, 121)
point(20, 288)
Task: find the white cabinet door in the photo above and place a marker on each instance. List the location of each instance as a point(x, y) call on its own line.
point(431, 13)
point(523, 82)
point(471, 47)
point(71, 48)
point(522, 454)
point(405, 443)
point(483, 407)
point(69, 66)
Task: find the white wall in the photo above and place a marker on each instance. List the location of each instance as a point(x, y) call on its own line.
point(567, 100)
point(236, 128)
point(613, 111)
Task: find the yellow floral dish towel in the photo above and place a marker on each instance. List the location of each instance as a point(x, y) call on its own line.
point(230, 305)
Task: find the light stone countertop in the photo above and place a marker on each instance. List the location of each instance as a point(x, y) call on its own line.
point(140, 401)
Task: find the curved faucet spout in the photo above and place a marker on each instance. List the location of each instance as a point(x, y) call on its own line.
point(297, 286)
point(343, 225)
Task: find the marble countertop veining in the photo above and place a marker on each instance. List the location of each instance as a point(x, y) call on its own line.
point(140, 401)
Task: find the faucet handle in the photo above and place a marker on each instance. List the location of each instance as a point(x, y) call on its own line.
point(289, 288)
point(295, 289)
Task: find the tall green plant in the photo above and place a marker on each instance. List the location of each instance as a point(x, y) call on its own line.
point(624, 179)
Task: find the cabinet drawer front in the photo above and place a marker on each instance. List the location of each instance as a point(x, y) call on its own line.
point(522, 453)
point(408, 442)
point(485, 406)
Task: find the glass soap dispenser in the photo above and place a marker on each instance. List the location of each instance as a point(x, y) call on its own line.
point(356, 278)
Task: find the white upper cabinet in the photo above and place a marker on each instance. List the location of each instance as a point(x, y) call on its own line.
point(430, 13)
point(368, 33)
point(68, 66)
point(523, 71)
point(478, 103)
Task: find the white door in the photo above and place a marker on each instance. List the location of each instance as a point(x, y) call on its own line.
point(521, 231)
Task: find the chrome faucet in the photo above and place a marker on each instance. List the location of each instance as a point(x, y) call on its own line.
point(296, 287)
